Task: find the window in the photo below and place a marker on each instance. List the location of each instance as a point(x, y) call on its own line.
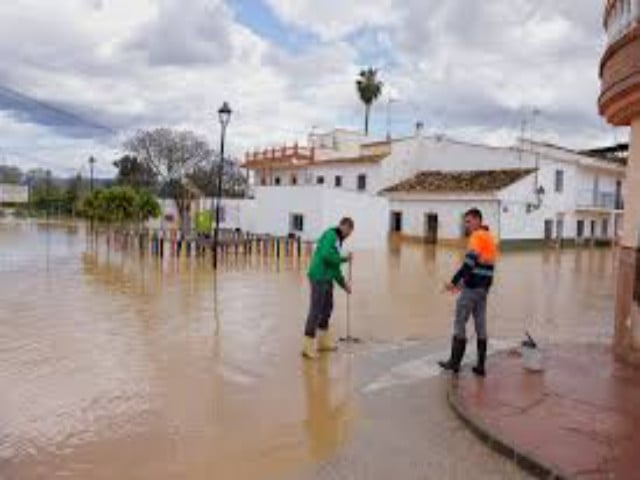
point(605, 228)
point(548, 229)
point(362, 182)
point(320, 180)
point(296, 222)
point(593, 228)
point(294, 180)
point(580, 229)
point(619, 203)
point(559, 229)
point(338, 181)
point(559, 181)
point(277, 181)
point(396, 222)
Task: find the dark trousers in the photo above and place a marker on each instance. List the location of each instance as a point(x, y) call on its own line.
point(320, 308)
point(471, 302)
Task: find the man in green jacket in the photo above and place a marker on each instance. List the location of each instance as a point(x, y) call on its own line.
point(325, 269)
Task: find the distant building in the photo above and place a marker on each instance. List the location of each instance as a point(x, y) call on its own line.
point(419, 186)
point(11, 194)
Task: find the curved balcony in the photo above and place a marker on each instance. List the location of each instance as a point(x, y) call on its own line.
point(620, 16)
point(620, 67)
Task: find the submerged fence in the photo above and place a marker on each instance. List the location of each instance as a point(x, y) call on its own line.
point(162, 244)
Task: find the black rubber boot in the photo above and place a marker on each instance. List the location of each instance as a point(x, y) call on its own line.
point(482, 357)
point(458, 346)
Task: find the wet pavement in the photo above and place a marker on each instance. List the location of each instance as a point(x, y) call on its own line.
point(114, 365)
point(578, 419)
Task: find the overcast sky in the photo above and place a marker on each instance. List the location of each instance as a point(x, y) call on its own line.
point(78, 76)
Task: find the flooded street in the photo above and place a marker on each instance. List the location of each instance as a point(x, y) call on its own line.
point(114, 365)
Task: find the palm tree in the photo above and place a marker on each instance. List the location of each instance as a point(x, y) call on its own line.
point(369, 89)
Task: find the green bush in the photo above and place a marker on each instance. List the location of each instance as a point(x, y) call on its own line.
point(120, 206)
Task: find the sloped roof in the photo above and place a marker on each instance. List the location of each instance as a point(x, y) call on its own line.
point(618, 153)
point(460, 181)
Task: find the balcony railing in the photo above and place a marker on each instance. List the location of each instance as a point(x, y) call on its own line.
point(621, 17)
point(599, 200)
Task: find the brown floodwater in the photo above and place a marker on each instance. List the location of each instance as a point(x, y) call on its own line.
point(114, 365)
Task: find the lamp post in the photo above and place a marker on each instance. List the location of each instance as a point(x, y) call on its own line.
point(224, 116)
point(92, 162)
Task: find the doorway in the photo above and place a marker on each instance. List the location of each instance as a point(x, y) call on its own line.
point(548, 230)
point(396, 222)
point(431, 228)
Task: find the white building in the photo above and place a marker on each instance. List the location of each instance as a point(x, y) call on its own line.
point(11, 194)
point(419, 187)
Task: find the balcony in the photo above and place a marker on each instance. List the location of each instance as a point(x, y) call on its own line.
point(593, 200)
point(620, 17)
point(620, 66)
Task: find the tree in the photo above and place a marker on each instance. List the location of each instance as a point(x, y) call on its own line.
point(120, 206)
point(172, 155)
point(134, 173)
point(146, 206)
point(72, 195)
point(234, 182)
point(369, 90)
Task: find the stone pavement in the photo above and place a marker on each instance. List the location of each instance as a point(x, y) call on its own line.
point(405, 428)
point(578, 419)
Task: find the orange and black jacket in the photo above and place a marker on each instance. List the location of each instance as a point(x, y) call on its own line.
point(479, 261)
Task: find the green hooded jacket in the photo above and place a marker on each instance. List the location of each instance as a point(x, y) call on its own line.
point(326, 260)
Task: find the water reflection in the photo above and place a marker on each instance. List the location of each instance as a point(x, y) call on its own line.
point(116, 365)
point(327, 414)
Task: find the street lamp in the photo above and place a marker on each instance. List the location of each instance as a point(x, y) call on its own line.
point(224, 116)
point(92, 162)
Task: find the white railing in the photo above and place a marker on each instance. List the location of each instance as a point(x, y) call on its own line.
point(621, 18)
point(595, 199)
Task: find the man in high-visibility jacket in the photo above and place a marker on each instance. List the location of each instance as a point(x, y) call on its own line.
point(473, 280)
point(325, 269)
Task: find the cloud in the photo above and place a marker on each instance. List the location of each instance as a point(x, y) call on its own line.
point(185, 33)
point(468, 68)
point(334, 19)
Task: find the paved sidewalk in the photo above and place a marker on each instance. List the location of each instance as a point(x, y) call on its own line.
point(579, 419)
point(405, 428)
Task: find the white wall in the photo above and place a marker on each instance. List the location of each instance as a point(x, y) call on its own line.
point(406, 159)
point(370, 214)
point(10, 193)
point(238, 213)
point(274, 207)
point(321, 208)
point(520, 223)
point(450, 211)
point(348, 171)
point(507, 212)
point(517, 223)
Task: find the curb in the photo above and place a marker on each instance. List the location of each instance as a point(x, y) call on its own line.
point(526, 461)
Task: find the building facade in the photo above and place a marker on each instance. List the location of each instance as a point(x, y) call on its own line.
point(619, 103)
point(553, 194)
point(11, 194)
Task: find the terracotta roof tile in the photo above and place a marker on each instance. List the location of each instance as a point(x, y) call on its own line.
point(462, 181)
